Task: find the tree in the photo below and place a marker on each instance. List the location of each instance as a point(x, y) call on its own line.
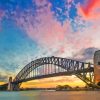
point(65, 87)
point(59, 87)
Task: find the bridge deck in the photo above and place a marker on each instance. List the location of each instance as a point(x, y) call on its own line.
point(56, 74)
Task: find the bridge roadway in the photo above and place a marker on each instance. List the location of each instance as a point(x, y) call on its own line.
point(91, 69)
point(69, 66)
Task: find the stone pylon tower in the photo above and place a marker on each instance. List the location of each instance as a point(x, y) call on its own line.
point(10, 87)
point(97, 66)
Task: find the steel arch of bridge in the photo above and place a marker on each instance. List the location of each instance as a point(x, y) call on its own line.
point(55, 66)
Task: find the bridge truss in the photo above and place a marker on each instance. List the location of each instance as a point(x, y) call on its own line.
point(55, 66)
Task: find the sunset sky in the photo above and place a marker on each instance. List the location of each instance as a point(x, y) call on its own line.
point(30, 29)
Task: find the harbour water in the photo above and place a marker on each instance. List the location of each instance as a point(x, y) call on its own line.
point(50, 95)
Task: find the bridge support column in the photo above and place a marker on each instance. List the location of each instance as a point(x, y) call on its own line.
point(97, 67)
point(16, 87)
point(10, 86)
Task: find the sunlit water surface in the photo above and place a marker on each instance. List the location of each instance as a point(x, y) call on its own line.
point(50, 95)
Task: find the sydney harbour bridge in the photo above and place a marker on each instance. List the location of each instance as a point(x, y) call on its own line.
point(47, 67)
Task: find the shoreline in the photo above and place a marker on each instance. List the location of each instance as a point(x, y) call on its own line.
point(53, 90)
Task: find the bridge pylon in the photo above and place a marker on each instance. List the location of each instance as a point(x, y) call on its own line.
point(97, 67)
point(12, 86)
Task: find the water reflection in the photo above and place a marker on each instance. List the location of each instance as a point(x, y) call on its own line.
point(50, 95)
point(22, 95)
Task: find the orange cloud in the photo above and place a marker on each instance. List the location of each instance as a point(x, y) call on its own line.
point(2, 83)
point(53, 82)
point(91, 9)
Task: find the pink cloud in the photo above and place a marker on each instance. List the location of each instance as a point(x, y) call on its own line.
point(90, 10)
point(45, 29)
point(59, 39)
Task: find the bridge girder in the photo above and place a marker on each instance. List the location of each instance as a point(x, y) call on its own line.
point(65, 67)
